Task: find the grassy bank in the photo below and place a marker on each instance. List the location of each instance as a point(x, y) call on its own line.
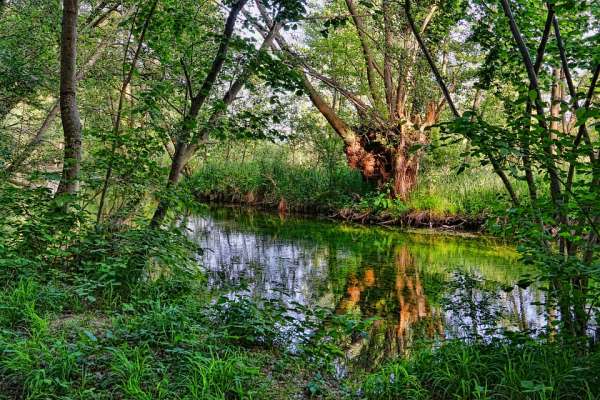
point(166, 342)
point(496, 370)
point(276, 176)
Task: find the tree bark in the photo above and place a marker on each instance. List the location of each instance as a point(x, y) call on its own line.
point(406, 169)
point(556, 97)
point(69, 183)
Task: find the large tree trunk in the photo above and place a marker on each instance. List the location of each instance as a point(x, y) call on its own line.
point(381, 164)
point(397, 166)
point(69, 112)
point(405, 173)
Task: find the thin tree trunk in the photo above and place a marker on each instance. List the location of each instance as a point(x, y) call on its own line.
point(182, 151)
point(555, 188)
point(9, 103)
point(525, 144)
point(122, 94)
point(19, 159)
point(580, 281)
point(370, 64)
point(174, 175)
point(387, 61)
point(580, 133)
point(448, 98)
point(436, 72)
point(556, 97)
point(69, 182)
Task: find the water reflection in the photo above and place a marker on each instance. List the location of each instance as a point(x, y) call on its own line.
point(402, 305)
point(419, 286)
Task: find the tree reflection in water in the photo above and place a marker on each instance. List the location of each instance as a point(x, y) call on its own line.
point(401, 305)
point(421, 287)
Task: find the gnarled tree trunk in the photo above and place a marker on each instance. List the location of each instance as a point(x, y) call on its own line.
point(398, 166)
point(406, 170)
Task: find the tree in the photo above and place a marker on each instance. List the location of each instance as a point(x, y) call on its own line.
point(184, 148)
point(545, 143)
point(69, 112)
point(98, 15)
point(187, 137)
point(395, 105)
point(120, 104)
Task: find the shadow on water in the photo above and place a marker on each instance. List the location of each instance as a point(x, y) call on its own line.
point(417, 286)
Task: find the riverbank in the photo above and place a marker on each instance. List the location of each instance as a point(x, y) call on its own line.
point(275, 180)
point(161, 345)
point(359, 215)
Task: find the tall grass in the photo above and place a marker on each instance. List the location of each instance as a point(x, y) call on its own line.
point(476, 192)
point(269, 173)
point(497, 370)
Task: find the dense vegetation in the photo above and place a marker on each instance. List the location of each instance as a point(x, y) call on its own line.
point(273, 173)
point(118, 117)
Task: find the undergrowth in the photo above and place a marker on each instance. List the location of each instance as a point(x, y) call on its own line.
point(501, 369)
point(91, 313)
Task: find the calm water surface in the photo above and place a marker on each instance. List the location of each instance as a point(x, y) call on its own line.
point(419, 285)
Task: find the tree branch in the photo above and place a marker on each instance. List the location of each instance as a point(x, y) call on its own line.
point(366, 50)
point(339, 125)
point(529, 177)
point(555, 189)
point(430, 61)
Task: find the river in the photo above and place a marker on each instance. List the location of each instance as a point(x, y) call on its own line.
point(415, 286)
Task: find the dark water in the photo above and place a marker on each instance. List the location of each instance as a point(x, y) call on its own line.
point(419, 285)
